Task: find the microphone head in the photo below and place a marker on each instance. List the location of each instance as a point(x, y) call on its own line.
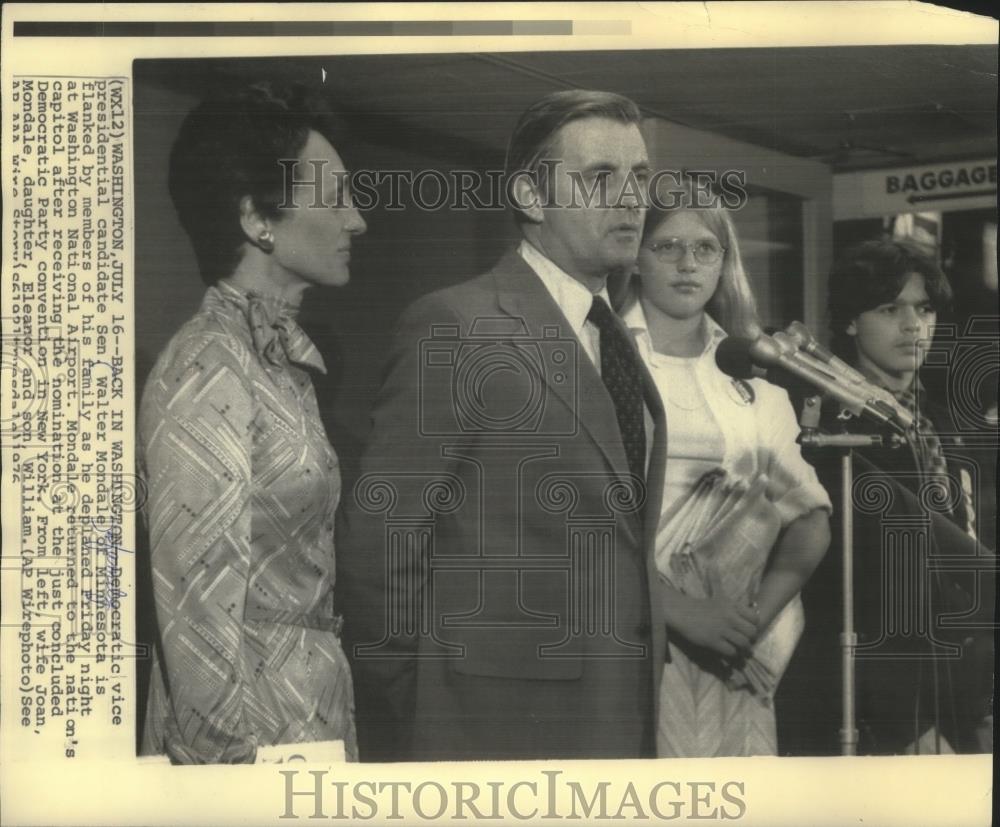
point(787, 344)
point(733, 357)
point(765, 351)
point(743, 358)
point(800, 334)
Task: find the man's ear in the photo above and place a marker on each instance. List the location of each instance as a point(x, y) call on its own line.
point(852, 329)
point(256, 228)
point(526, 198)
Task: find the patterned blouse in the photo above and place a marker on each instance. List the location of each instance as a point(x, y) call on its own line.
point(243, 486)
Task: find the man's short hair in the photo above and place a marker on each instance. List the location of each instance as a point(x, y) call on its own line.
point(534, 136)
point(874, 273)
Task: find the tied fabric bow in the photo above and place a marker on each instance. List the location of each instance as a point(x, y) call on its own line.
point(277, 336)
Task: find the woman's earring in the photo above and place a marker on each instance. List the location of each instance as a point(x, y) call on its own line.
point(265, 240)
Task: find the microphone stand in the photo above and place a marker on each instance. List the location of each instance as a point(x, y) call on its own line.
point(845, 444)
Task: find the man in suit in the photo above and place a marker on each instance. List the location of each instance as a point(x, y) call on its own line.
point(494, 564)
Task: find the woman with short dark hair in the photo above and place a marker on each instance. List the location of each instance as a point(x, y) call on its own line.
point(243, 483)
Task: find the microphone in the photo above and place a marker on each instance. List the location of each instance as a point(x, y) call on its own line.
point(805, 341)
point(733, 358)
point(776, 361)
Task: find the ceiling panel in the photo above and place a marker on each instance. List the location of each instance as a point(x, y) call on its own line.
point(853, 107)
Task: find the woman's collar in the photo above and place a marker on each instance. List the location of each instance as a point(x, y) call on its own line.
point(634, 317)
point(275, 305)
point(276, 334)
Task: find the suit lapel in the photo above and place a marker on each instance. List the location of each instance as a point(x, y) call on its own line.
point(521, 294)
point(657, 457)
point(651, 522)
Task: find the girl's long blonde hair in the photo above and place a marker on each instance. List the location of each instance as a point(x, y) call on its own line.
point(733, 305)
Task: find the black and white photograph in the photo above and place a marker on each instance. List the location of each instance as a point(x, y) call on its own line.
point(437, 359)
point(595, 408)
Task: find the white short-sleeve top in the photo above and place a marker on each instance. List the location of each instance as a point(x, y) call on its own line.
point(713, 420)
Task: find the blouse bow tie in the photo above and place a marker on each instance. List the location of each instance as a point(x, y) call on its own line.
point(278, 337)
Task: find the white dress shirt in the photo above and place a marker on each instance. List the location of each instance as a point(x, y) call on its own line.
point(575, 301)
point(572, 297)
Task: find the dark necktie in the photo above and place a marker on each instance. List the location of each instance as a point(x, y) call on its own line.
point(622, 375)
point(933, 463)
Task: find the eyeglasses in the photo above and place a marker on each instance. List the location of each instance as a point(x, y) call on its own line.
point(706, 251)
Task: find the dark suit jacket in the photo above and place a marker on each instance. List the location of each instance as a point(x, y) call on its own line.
point(495, 572)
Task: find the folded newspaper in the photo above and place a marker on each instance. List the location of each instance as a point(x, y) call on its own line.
point(720, 536)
